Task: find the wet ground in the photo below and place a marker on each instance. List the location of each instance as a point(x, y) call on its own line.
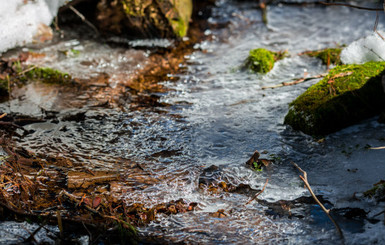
point(190, 135)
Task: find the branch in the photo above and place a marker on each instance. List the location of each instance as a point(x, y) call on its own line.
point(351, 6)
point(300, 80)
point(259, 193)
point(327, 211)
point(84, 19)
point(377, 148)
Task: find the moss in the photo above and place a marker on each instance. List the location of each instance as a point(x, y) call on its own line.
point(4, 86)
point(377, 192)
point(348, 94)
point(260, 60)
point(328, 55)
point(48, 75)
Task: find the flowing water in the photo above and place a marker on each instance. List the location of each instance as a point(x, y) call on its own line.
point(218, 114)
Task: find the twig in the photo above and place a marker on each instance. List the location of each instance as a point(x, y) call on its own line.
point(32, 235)
point(84, 19)
point(382, 212)
point(60, 223)
point(3, 115)
point(377, 148)
point(371, 50)
point(327, 211)
point(259, 193)
point(300, 80)
point(351, 6)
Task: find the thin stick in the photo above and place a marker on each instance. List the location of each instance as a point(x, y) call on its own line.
point(351, 6)
point(60, 223)
point(299, 80)
point(327, 211)
point(377, 148)
point(259, 193)
point(84, 19)
point(27, 70)
point(3, 115)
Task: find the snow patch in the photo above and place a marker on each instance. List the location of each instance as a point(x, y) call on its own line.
point(20, 20)
point(370, 48)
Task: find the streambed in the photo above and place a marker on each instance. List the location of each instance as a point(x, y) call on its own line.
point(217, 114)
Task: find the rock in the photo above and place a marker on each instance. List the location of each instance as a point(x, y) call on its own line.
point(149, 18)
point(257, 163)
point(347, 95)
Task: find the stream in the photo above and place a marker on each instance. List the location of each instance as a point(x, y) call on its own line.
point(216, 114)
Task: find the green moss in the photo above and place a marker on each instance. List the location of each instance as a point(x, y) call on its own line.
point(4, 86)
point(48, 75)
point(260, 60)
point(377, 192)
point(348, 94)
point(328, 55)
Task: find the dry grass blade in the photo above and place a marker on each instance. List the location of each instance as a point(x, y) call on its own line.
point(327, 211)
point(259, 193)
point(300, 80)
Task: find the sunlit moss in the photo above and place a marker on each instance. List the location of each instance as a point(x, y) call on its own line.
point(48, 75)
point(328, 55)
point(348, 94)
point(260, 60)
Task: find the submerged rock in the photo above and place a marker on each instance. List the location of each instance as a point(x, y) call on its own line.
point(348, 94)
point(148, 18)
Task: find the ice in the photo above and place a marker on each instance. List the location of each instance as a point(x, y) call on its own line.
point(369, 48)
point(20, 20)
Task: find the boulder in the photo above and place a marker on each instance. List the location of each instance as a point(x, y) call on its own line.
point(347, 95)
point(145, 18)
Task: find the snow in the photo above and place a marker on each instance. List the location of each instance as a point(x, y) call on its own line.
point(20, 20)
point(369, 48)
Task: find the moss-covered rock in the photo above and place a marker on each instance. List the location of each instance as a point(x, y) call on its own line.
point(48, 75)
point(149, 18)
point(348, 94)
point(260, 60)
point(329, 56)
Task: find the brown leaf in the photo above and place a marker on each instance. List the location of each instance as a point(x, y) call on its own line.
point(96, 202)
